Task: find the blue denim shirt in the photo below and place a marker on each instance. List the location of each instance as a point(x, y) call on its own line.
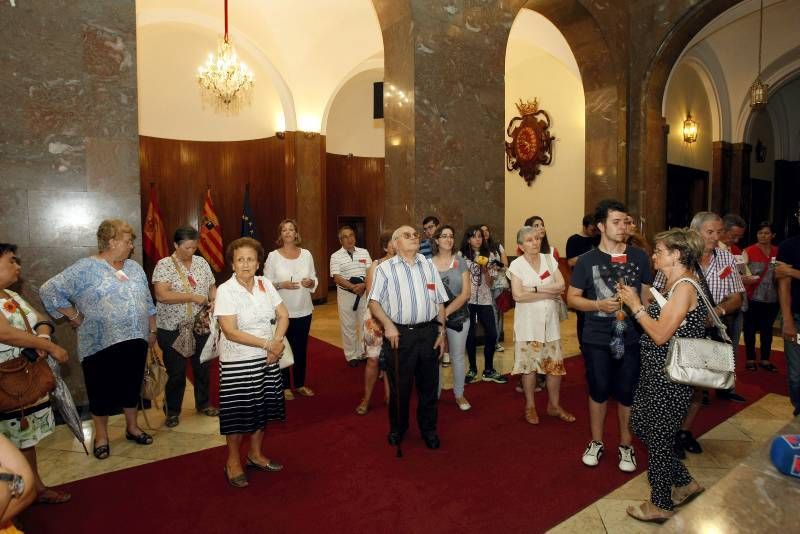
point(114, 310)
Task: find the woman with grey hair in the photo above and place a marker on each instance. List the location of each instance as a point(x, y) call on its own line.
point(184, 287)
point(536, 284)
point(105, 297)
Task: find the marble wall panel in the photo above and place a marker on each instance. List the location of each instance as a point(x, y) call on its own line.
point(14, 216)
point(68, 134)
point(112, 165)
point(70, 219)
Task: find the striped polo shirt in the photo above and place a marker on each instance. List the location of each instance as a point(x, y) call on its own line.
point(408, 294)
point(722, 276)
point(349, 267)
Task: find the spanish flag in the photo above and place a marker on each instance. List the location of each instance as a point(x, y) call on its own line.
point(211, 236)
point(154, 239)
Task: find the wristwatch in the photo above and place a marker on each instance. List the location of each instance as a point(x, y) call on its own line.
point(16, 484)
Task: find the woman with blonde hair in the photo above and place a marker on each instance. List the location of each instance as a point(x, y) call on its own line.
point(660, 405)
point(291, 270)
point(106, 298)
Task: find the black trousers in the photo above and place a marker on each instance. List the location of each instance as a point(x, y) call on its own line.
point(415, 361)
point(484, 314)
point(759, 317)
point(113, 376)
point(297, 336)
point(176, 372)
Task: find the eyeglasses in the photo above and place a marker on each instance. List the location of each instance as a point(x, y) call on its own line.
point(246, 260)
point(410, 235)
point(446, 236)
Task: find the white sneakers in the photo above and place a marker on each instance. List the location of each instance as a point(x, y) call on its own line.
point(627, 456)
point(627, 459)
point(592, 454)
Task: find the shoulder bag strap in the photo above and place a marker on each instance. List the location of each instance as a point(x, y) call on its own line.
point(723, 332)
point(185, 283)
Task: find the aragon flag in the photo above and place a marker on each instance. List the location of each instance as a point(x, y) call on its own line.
point(211, 236)
point(154, 238)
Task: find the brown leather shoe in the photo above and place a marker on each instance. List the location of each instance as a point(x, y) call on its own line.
point(684, 494)
point(649, 513)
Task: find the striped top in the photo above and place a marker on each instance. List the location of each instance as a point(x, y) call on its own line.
point(722, 276)
point(347, 266)
point(408, 294)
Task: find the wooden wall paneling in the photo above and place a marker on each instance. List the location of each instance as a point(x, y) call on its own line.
point(183, 170)
point(355, 187)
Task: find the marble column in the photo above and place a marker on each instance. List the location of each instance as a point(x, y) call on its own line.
point(69, 136)
point(306, 176)
point(738, 197)
point(720, 173)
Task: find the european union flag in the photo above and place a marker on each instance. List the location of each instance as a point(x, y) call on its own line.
point(248, 221)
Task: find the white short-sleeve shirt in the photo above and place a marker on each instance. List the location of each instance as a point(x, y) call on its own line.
point(254, 314)
point(280, 269)
point(347, 266)
point(536, 321)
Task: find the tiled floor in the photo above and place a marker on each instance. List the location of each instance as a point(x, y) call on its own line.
point(61, 457)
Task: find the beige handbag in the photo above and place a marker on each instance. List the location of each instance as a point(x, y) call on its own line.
point(184, 344)
point(701, 362)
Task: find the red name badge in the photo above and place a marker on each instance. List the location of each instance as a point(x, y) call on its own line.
point(261, 286)
point(619, 258)
point(545, 275)
point(432, 287)
point(726, 272)
point(362, 260)
point(192, 281)
point(455, 264)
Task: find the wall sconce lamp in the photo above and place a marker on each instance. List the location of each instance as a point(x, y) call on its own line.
point(689, 129)
point(280, 135)
point(310, 135)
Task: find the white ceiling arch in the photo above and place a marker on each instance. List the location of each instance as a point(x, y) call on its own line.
point(153, 17)
point(371, 63)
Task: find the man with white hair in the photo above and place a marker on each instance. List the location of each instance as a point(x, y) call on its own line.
point(408, 298)
point(348, 269)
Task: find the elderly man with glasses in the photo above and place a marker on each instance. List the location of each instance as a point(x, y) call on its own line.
point(408, 297)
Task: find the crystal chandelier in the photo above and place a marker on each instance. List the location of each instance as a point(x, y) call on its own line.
point(224, 79)
point(759, 90)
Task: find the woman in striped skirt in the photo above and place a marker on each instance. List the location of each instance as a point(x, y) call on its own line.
point(253, 321)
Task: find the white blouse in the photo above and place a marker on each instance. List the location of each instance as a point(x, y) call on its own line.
point(280, 269)
point(254, 313)
point(536, 321)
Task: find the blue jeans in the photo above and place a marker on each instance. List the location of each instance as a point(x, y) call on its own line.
point(792, 351)
point(457, 343)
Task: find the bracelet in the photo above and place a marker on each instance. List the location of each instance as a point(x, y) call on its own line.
point(46, 336)
point(48, 323)
point(153, 331)
point(77, 314)
point(638, 312)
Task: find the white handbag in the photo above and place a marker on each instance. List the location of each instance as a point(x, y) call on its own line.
point(701, 362)
point(287, 358)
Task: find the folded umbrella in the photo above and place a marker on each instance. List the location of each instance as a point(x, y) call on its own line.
point(357, 280)
point(61, 398)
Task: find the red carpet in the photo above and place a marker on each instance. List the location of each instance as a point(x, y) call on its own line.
point(494, 472)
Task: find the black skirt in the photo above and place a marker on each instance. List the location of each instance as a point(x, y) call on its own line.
point(250, 394)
